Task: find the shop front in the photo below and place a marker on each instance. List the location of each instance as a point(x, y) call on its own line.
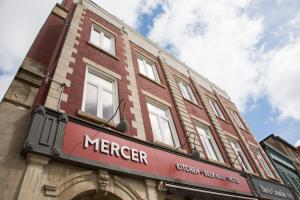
point(105, 153)
point(264, 189)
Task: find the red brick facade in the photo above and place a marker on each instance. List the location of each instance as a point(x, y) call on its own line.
point(43, 52)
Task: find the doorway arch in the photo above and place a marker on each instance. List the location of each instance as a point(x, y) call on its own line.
point(91, 185)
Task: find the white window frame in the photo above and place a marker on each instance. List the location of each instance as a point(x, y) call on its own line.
point(153, 67)
point(190, 96)
point(240, 156)
point(169, 119)
point(103, 33)
point(238, 120)
point(102, 75)
point(263, 162)
point(211, 148)
point(216, 108)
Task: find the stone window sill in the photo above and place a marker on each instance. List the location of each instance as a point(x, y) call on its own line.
point(224, 120)
point(153, 81)
point(95, 119)
point(169, 146)
point(219, 163)
point(102, 50)
point(194, 103)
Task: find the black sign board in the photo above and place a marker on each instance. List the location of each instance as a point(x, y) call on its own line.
point(270, 190)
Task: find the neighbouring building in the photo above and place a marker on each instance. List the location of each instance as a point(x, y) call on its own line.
point(97, 111)
point(286, 160)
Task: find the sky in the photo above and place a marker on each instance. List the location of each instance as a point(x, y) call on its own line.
point(249, 48)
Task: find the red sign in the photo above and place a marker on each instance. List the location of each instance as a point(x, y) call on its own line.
point(92, 145)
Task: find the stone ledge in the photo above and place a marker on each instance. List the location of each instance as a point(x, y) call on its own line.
point(94, 119)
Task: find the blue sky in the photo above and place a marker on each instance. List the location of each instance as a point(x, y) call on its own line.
point(250, 48)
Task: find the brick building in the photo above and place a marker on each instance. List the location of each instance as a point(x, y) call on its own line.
point(86, 77)
point(286, 160)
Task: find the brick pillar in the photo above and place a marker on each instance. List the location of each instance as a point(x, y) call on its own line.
point(66, 58)
point(223, 138)
point(180, 106)
point(135, 109)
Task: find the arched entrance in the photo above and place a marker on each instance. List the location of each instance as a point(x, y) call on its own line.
point(91, 185)
point(93, 195)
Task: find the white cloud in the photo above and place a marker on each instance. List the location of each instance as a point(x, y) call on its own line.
point(216, 39)
point(219, 40)
point(20, 22)
point(297, 144)
point(281, 80)
point(124, 10)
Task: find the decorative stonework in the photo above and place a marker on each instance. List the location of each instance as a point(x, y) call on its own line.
point(23, 90)
point(91, 182)
point(60, 11)
point(223, 138)
point(184, 116)
point(56, 93)
point(56, 189)
point(103, 178)
point(132, 86)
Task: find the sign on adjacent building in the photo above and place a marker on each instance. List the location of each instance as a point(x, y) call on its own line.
point(269, 190)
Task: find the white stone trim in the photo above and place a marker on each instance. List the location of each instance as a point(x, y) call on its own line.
point(200, 120)
point(101, 68)
point(151, 96)
point(230, 135)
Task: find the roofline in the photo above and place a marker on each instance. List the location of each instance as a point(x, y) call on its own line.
point(277, 152)
point(279, 139)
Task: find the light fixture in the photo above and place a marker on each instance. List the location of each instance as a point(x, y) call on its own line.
point(122, 126)
point(195, 152)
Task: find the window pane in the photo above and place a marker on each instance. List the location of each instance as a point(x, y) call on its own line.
point(95, 37)
point(141, 66)
point(219, 112)
point(155, 127)
point(216, 108)
point(107, 104)
point(107, 84)
point(206, 146)
point(167, 135)
point(91, 99)
point(264, 163)
point(210, 147)
point(150, 72)
point(161, 124)
point(107, 43)
point(93, 79)
point(191, 94)
point(240, 155)
point(201, 131)
point(184, 91)
point(244, 161)
point(212, 150)
point(156, 110)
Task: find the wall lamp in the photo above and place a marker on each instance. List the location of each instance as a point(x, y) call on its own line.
point(122, 126)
